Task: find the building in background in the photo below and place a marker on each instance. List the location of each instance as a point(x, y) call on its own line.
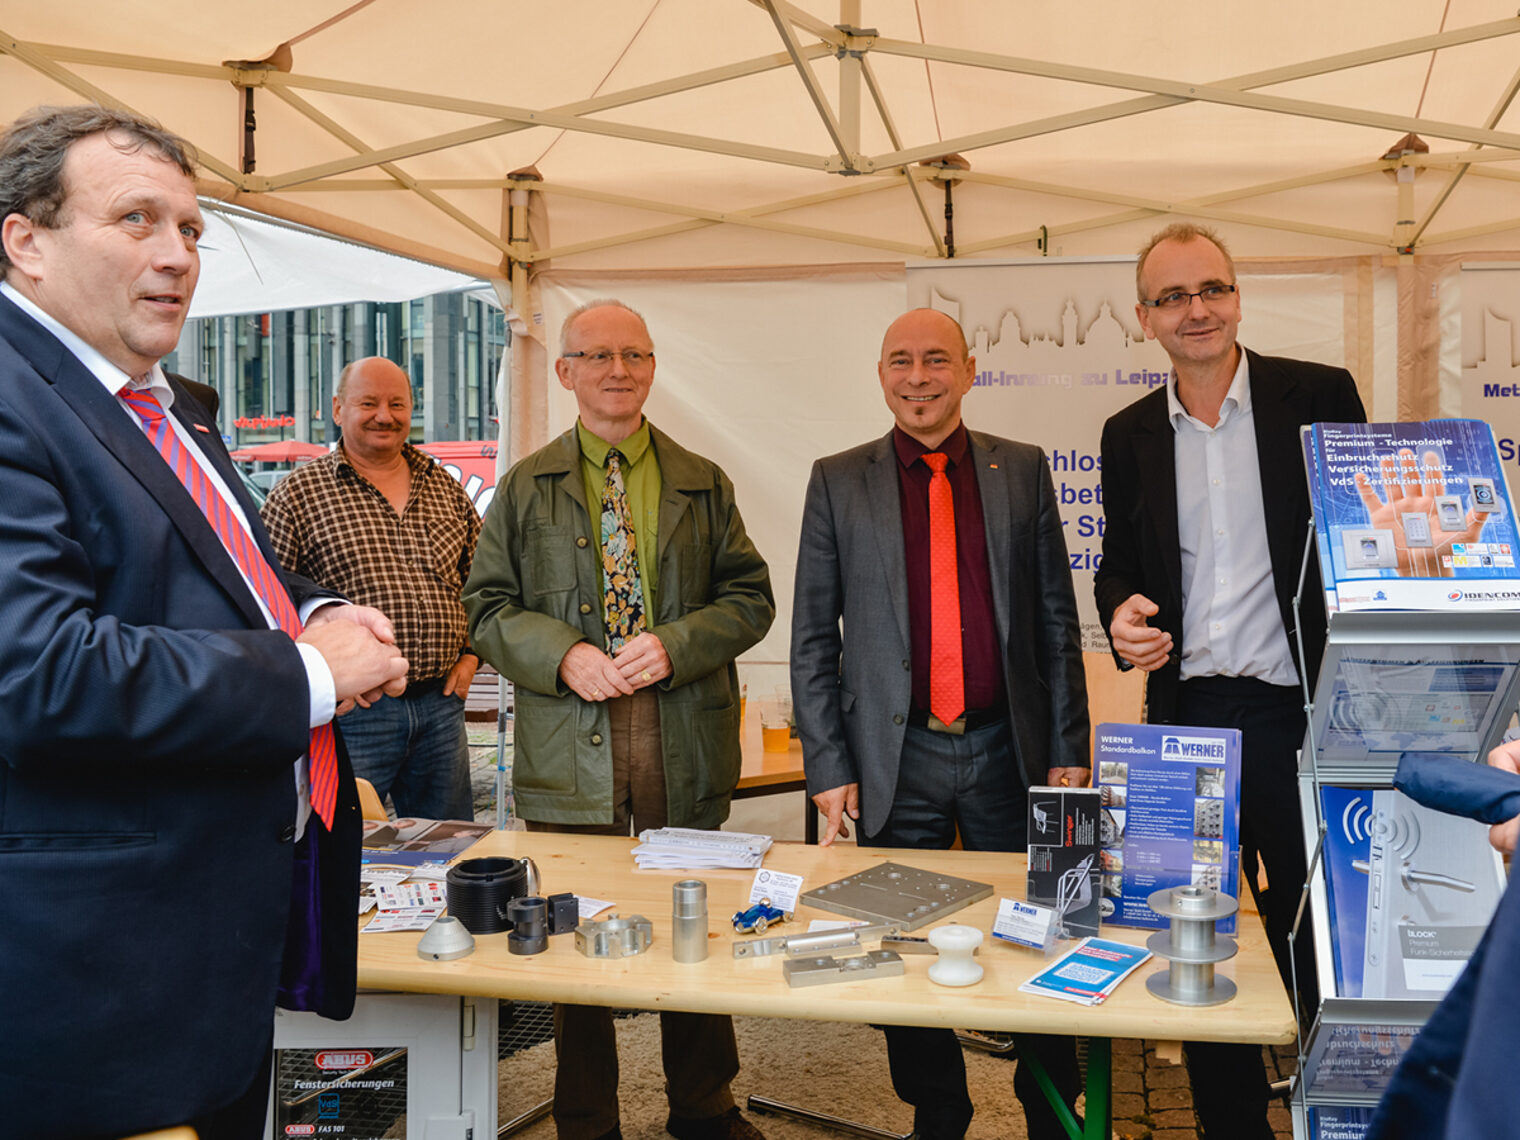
point(276, 371)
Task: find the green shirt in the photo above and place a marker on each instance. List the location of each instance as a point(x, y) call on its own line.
point(641, 481)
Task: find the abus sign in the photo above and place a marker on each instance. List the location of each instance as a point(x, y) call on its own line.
point(300, 1130)
point(345, 1059)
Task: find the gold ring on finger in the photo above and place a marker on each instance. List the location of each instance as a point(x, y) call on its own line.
point(647, 675)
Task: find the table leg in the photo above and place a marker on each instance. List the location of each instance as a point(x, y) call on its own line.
point(1098, 1114)
point(1095, 1122)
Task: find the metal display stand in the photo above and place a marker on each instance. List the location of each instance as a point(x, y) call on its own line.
point(1392, 683)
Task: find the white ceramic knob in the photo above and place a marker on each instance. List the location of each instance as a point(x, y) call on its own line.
point(955, 966)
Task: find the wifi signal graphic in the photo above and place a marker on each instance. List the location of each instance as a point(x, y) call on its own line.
point(1397, 832)
point(1354, 821)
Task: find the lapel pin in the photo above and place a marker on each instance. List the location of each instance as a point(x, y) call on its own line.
point(993, 466)
point(201, 427)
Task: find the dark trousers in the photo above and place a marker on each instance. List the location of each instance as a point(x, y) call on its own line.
point(700, 1055)
point(969, 784)
point(1230, 1091)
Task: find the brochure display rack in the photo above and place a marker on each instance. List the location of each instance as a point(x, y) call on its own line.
point(1414, 531)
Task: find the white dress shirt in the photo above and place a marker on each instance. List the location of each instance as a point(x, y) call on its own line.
point(1231, 624)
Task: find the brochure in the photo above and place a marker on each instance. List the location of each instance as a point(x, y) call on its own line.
point(1170, 816)
point(1089, 972)
point(1412, 516)
point(1063, 857)
point(1409, 893)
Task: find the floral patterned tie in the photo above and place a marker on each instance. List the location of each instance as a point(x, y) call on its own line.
point(624, 607)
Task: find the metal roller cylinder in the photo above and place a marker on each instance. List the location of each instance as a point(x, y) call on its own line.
point(688, 921)
point(1191, 946)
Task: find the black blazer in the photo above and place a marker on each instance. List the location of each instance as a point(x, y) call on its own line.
point(1141, 550)
point(149, 720)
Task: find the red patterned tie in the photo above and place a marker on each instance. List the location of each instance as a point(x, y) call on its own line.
point(255, 567)
point(947, 676)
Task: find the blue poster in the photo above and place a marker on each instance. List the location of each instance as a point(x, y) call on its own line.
point(1170, 796)
point(1348, 843)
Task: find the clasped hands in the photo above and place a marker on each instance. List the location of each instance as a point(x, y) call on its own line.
point(595, 676)
point(359, 645)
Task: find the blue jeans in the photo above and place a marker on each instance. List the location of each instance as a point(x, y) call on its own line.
point(413, 748)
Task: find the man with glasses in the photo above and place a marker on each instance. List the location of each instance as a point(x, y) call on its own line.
point(614, 584)
point(1207, 512)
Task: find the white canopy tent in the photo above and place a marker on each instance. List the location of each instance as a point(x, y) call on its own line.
point(791, 161)
point(796, 130)
point(677, 133)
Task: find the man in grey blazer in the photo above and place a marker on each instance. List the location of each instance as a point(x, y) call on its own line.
point(955, 682)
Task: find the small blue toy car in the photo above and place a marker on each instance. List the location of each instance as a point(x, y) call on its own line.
point(758, 917)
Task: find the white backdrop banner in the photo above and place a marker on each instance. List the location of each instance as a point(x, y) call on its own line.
point(1490, 307)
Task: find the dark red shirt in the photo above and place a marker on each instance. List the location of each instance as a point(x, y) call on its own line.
point(979, 643)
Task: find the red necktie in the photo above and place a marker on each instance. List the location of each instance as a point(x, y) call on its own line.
point(947, 676)
point(250, 559)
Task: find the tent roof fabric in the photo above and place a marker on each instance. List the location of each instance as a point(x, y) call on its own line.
point(734, 132)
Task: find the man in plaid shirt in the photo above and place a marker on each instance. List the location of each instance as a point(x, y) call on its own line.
point(384, 525)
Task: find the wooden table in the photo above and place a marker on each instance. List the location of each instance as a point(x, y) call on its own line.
point(602, 867)
point(763, 773)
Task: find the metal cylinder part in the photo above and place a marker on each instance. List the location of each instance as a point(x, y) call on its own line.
point(688, 921)
point(1190, 945)
point(530, 926)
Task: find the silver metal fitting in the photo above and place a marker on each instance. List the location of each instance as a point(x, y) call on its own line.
point(615, 937)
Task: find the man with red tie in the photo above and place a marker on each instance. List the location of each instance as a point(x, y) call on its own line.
point(178, 824)
point(936, 661)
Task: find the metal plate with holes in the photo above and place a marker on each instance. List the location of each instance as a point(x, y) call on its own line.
point(825, 970)
point(614, 937)
point(891, 893)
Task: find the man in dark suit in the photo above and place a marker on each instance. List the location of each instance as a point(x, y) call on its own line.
point(157, 690)
point(924, 719)
point(1207, 512)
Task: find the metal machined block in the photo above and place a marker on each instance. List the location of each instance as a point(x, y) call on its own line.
point(826, 970)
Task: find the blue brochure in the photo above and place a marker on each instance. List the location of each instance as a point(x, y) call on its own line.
point(1412, 516)
point(1170, 816)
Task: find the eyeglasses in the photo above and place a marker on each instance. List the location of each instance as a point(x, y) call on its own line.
point(602, 358)
point(1180, 299)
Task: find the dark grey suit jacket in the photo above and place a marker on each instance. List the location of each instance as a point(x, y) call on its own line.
point(1141, 550)
point(852, 689)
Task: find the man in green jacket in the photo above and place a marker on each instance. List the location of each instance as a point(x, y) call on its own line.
point(627, 695)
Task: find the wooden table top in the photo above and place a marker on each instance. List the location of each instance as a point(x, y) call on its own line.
point(603, 867)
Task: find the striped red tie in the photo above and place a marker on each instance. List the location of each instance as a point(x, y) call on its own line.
point(255, 567)
point(947, 675)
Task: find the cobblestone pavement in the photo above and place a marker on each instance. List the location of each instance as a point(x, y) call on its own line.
point(1152, 1100)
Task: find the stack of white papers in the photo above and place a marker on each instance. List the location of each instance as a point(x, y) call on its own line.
point(684, 848)
point(1089, 972)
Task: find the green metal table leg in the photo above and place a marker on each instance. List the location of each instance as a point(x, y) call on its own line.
point(1096, 1118)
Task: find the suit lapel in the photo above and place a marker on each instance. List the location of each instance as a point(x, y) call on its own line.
point(105, 418)
point(881, 491)
point(1276, 414)
point(997, 508)
point(1155, 454)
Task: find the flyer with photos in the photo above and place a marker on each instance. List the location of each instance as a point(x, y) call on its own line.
point(1412, 516)
point(1170, 798)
